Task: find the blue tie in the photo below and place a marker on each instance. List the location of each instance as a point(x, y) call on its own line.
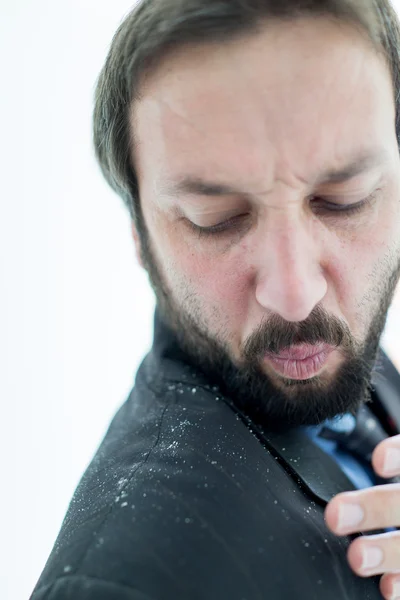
point(358, 435)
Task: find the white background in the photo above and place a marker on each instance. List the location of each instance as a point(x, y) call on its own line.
point(76, 310)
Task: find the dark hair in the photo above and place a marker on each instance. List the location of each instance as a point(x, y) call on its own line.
point(155, 27)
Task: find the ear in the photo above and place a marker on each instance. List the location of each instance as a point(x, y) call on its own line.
point(138, 248)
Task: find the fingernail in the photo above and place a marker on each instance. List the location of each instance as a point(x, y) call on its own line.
point(396, 590)
point(372, 557)
point(350, 515)
point(392, 460)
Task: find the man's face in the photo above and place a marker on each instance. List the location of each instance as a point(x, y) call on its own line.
point(244, 138)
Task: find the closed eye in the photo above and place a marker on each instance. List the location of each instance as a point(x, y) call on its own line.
point(320, 206)
point(231, 225)
point(334, 209)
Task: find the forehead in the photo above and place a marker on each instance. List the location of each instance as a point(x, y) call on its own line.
point(289, 102)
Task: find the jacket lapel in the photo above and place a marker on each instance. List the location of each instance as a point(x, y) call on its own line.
point(308, 464)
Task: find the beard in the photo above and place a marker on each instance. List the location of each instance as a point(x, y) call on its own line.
point(290, 403)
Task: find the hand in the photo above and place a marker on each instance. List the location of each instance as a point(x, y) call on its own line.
point(373, 508)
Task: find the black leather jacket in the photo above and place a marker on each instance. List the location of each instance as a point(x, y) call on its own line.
point(184, 499)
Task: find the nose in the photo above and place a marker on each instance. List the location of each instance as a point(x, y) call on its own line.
point(290, 278)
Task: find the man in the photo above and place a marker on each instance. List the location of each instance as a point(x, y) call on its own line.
point(255, 144)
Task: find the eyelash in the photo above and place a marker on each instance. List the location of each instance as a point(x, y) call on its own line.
point(235, 223)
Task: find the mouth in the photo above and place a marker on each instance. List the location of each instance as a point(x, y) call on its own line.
point(300, 362)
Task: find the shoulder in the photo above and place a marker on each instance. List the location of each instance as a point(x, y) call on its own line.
point(166, 497)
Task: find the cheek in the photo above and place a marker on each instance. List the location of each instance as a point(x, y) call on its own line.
point(221, 283)
point(217, 282)
point(360, 267)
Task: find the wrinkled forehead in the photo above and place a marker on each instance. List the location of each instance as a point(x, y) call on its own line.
point(295, 100)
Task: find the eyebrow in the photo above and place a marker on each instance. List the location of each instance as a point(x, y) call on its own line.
point(189, 185)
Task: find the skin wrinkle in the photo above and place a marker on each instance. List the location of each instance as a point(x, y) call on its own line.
point(292, 273)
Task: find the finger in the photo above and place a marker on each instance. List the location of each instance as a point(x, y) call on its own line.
point(390, 586)
point(386, 457)
point(375, 554)
point(365, 510)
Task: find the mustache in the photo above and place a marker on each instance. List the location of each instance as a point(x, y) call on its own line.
point(275, 335)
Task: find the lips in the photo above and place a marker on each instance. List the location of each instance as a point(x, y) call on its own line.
point(300, 362)
point(300, 351)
